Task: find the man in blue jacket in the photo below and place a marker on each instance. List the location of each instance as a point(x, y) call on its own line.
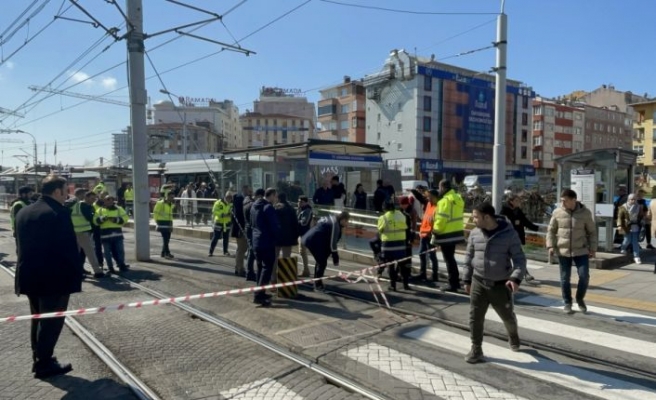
point(322, 240)
point(48, 270)
point(495, 266)
point(265, 232)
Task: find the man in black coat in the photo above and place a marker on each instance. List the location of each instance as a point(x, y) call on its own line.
point(239, 229)
point(48, 270)
point(322, 241)
point(512, 210)
point(265, 234)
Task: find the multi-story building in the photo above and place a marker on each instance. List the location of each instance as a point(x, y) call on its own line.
point(122, 148)
point(286, 102)
point(166, 139)
point(260, 130)
point(557, 131)
point(645, 135)
point(222, 118)
point(609, 97)
point(341, 112)
point(437, 120)
point(607, 128)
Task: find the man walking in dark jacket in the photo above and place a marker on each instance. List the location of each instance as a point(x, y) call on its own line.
point(495, 265)
point(265, 233)
point(250, 262)
point(48, 270)
point(322, 240)
point(288, 237)
point(512, 210)
point(304, 217)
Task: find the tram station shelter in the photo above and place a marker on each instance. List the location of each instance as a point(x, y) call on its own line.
point(596, 176)
point(305, 165)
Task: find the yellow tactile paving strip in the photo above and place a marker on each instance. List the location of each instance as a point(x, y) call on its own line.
point(597, 278)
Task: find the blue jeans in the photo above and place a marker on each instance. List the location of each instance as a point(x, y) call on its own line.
point(425, 245)
point(633, 239)
point(114, 247)
point(582, 268)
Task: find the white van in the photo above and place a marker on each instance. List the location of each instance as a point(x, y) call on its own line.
point(407, 185)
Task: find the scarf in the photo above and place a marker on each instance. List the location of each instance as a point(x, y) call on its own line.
point(633, 210)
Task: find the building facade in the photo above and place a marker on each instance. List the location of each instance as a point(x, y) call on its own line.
point(290, 102)
point(609, 97)
point(558, 130)
point(437, 120)
point(644, 141)
point(122, 148)
point(341, 112)
point(259, 130)
point(607, 128)
point(221, 118)
point(169, 138)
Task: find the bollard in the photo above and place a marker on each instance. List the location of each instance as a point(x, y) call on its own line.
point(287, 272)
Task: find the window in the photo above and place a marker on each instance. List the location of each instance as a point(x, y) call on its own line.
point(596, 126)
point(524, 101)
point(399, 146)
point(653, 135)
point(640, 150)
point(428, 83)
point(344, 109)
point(427, 145)
point(344, 92)
point(537, 110)
point(343, 124)
point(537, 155)
point(524, 136)
point(378, 136)
point(378, 117)
point(284, 136)
point(537, 126)
point(524, 154)
point(578, 116)
point(399, 127)
point(524, 119)
point(537, 141)
point(427, 124)
point(549, 111)
point(428, 103)
point(577, 131)
point(549, 127)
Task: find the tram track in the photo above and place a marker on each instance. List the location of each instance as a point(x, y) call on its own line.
point(131, 380)
point(464, 327)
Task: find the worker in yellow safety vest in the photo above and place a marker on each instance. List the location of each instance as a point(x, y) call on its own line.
point(23, 200)
point(129, 199)
point(222, 213)
point(82, 214)
point(449, 230)
point(111, 218)
point(99, 188)
point(163, 216)
point(392, 231)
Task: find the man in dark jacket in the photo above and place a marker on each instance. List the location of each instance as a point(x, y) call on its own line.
point(495, 265)
point(23, 200)
point(48, 270)
point(304, 217)
point(512, 210)
point(250, 262)
point(322, 240)
point(380, 195)
point(239, 228)
point(266, 230)
point(324, 196)
point(288, 237)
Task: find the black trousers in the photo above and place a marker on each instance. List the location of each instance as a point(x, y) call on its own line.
point(97, 245)
point(45, 332)
point(449, 255)
point(265, 260)
point(166, 238)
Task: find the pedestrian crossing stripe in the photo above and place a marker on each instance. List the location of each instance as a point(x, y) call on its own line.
point(287, 272)
point(574, 378)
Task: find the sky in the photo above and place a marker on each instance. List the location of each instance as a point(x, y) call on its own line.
point(554, 46)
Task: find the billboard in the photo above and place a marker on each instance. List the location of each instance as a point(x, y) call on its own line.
point(478, 123)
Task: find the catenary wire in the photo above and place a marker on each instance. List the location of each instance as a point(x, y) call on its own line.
point(339, 3)
point(21, 15)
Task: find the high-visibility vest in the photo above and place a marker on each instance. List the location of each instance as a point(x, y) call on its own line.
point(109, 228)
point(80, 224)
point(163, 215)
point(427, 221)
point(99, 188)
point(222, 212)
point(449, 226)
point(129, 195)
point(391, 228)
point(15, 208)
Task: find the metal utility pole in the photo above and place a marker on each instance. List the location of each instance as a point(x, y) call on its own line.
point(138, 100)
point(499, 156)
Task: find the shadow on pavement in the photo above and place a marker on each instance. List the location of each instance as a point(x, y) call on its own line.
point(547, 282)
point(80, 388)
point(186, 265)
point(5, 261)
point(115, 285)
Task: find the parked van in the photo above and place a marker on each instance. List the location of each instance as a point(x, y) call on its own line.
point(472, 181)
point(407, 185)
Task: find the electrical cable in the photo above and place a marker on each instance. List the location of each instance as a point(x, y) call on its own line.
point(458, 34)
point(29, 7)
point(339, 3)
point(25, 22)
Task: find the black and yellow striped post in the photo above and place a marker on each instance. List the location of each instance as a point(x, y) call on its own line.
point(287, 272)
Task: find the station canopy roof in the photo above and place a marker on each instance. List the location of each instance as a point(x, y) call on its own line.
point(301, 150)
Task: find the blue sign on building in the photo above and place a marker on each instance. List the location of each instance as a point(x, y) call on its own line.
point(427, 165)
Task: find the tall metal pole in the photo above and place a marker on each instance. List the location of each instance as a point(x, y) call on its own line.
point(184, 134)
point(499, 156)
point(138, 100)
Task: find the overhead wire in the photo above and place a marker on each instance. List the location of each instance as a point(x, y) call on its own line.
point(2, 35)
point(340, 3)
point(6, 39)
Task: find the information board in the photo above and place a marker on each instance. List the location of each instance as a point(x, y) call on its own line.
point(583, 183)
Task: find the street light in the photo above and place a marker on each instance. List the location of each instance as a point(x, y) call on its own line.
point(184, 120)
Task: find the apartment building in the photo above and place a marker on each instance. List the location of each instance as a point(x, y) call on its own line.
point(437, 120)
point(644, 141)
point(260, 130)
point(341, 112)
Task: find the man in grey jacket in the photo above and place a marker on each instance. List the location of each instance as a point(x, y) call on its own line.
point(495, 266)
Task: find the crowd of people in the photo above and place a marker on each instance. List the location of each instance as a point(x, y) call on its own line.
point(55, 235)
